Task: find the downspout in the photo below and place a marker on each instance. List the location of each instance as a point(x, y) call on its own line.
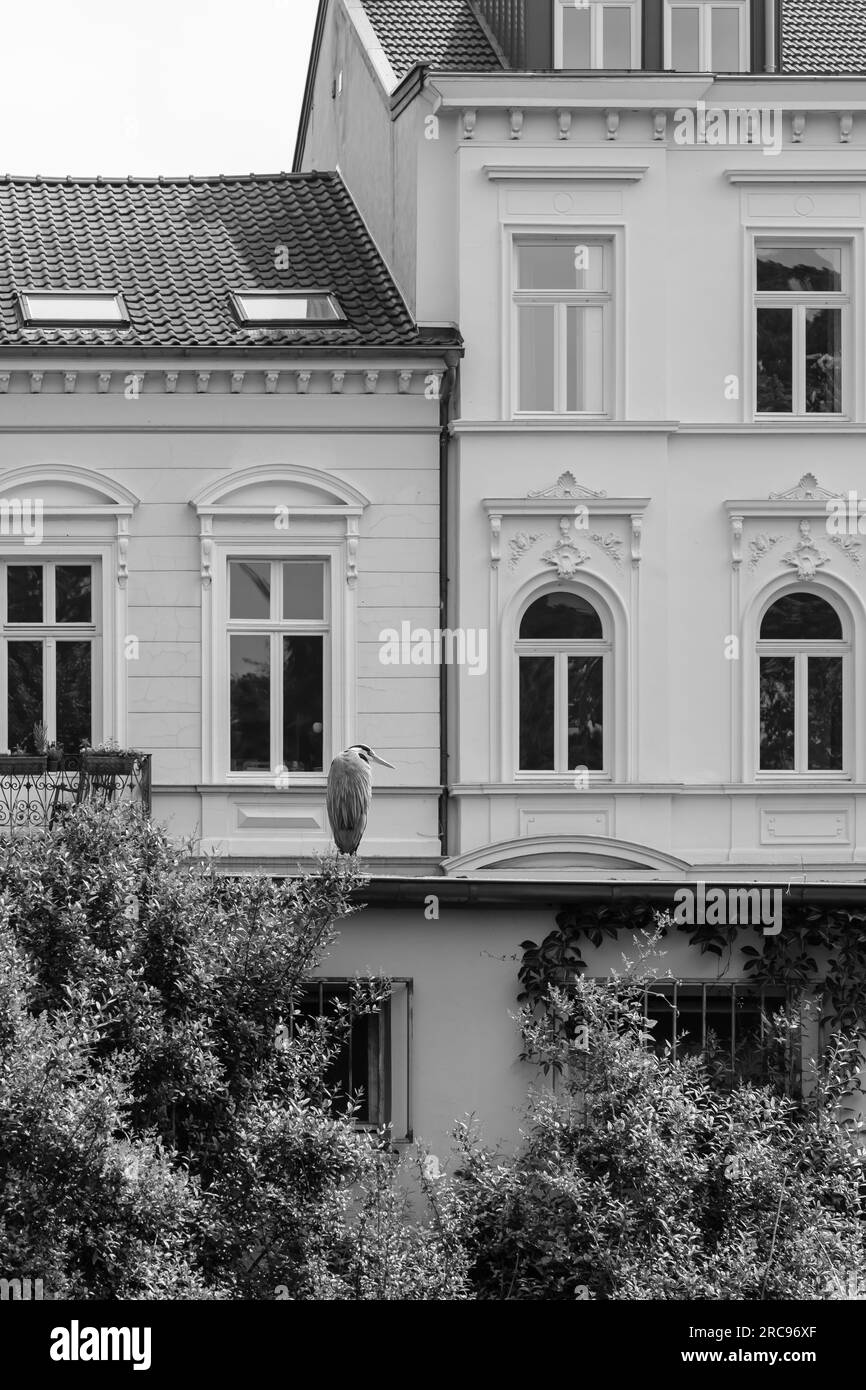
point(770, 18)
point(446, 398)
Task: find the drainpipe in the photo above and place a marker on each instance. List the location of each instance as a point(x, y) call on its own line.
point(769, 35)
point(446, 398)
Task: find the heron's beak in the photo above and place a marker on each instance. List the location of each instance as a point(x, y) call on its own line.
point(377, 759)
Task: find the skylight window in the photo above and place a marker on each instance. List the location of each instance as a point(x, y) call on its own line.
point(73, 308)
point(277, 308)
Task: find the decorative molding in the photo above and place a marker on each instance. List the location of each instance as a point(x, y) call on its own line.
point(807, 490)
point(515, 121)
point(170, 379)
point(798, 126)
point(559, 173)
point(567, 485)
point(122, 551)
point(805, 557)
point(495, 541)
point(762, 174)
point(202, 382)
point(611, 544)
point(565, 557)
point(352, 538)
point(303, 382)
point(660, 125)
point(371, 382)
point(849, 546)
point(237, 382)
point(206, 548)
point(345, 497)
point(469, 118)
point(272, 381)
point(563, 122)
point(337, 380)
point(4, 383)
point(611, 122)
point(846, 125)
point(69, 382)
point(760, 546)
point(36, 379)
point(737, 523)
point(636, 538)
point(519, 545)
point(405, 383)
point(104, 382)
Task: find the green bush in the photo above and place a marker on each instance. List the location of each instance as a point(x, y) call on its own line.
point(153, 1141)
point(637, 1178)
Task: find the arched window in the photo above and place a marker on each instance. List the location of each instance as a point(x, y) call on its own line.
point(803, 658)
point(563, 655)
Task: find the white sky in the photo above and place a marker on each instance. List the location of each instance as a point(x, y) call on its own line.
point(160, 87)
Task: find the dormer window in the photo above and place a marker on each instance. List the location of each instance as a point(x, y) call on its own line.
point(706, 36)
point(72, 309)
point(276, 309)
point(597, 34)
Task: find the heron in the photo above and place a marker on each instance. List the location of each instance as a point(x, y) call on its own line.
point(350, 791)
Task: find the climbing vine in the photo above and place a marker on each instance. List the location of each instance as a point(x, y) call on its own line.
point(788, 960)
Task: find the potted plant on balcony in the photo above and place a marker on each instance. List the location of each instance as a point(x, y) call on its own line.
point(27, 760)
point(52, 752)
point(107, 759)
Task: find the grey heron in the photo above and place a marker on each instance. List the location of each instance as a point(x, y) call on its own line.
point(350, 791)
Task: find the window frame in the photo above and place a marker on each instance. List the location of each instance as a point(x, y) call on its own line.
point(561, 651)
point(49, 633)
point(395, 1052)
point(276, 628)
point(800, 651)
point(562, 300)
point(596, 40)
point(70, 320)
point(800, 302)
point(658, 986)
point(238, 297)
point(705, 31)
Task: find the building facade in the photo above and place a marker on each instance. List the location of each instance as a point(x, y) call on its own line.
point(647, 220)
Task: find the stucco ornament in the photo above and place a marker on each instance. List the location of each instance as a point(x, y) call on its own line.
point(565, 557)
point(760, 546)
point(519, 546)
point(806, 558)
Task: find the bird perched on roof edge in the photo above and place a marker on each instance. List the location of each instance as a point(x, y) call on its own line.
point(350, 791)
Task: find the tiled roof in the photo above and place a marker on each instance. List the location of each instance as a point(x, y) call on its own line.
point(175, 248)
point(443, 33)
point(826, 36)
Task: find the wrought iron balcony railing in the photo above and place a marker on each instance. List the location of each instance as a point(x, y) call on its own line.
point(36, 791)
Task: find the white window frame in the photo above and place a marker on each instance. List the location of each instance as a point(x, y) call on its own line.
point(800, 302)
point(596, 31)
point(561, 651)
point(236, 524)
point(562, 300)
point(276, 628)
point(705, 31)
point(800, 651)
point(49, 633)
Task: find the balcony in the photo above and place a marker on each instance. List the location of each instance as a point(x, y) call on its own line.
point(36, 791)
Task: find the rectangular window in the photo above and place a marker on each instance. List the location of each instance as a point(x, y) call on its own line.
point(278, 631)
point(302, 306)
point(597, 34)
point(563, 306)
point(706, 36)
point(51, 647)
point(373, 1067)
point(65, 308)
point(730, 1024)
point(802, 300)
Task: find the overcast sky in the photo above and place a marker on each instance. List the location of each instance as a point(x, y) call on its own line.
point(163, 87)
